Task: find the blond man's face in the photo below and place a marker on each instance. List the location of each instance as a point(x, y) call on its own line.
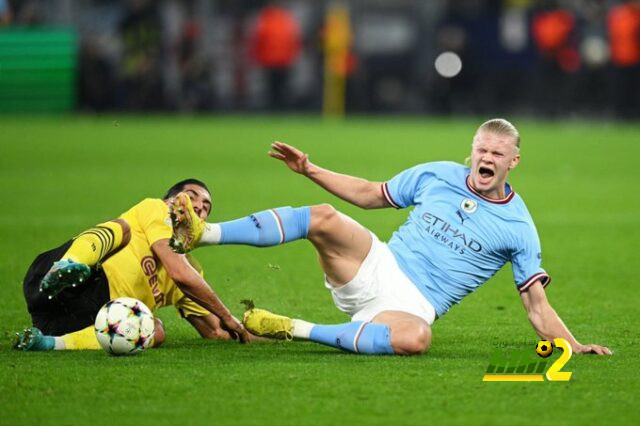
point(492, 157)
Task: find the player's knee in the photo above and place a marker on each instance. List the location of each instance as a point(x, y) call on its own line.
point(158, 332)
point(323, 217)
point(415, 340)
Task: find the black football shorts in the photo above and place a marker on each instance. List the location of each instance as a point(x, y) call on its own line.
point(72, 309)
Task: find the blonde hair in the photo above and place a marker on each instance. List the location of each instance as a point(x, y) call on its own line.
point(500, 126)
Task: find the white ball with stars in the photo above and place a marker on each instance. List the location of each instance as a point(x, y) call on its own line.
point(124, 326)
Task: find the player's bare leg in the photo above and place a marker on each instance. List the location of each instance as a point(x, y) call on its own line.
point(342, 245)
point(341, 242)
point(410, 335)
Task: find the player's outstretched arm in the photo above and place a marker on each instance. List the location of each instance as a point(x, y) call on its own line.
point(548, 324)
point(210, 327)
point(355, 190)
point(196, 288)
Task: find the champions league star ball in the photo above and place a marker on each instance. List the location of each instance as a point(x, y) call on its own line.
point(124, 326)
point(544, 348)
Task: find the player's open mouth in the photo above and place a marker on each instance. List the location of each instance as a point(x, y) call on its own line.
point(485, 172)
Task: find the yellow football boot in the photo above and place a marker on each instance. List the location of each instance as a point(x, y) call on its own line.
point(188, 227)
point(264, 323)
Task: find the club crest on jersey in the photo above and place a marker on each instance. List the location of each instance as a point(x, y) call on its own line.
point(469, 206)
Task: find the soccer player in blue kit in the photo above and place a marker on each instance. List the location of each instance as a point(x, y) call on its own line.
point(467, 222)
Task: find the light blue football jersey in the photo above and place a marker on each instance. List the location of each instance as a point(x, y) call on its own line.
point(455, 239)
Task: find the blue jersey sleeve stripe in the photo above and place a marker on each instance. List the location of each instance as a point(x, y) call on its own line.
point(387, 196)
point(543, 277)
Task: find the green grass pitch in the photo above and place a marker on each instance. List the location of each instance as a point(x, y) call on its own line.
point(59, 175)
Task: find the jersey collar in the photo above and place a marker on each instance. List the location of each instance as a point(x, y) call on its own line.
point(504, 200)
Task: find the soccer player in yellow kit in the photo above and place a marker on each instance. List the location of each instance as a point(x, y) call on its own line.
point(128, 257)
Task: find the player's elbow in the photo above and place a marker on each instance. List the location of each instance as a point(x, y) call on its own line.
point(369, 203)
point(126, 230)
point(180, 275)
point(371, 196)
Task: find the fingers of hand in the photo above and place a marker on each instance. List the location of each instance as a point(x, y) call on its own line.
point(276, 155)
point(278, 147)
point(286, 149)
point(603, 350)
point(596, 349)
point(280, 152)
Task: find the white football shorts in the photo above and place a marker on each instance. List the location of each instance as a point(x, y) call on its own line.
point(380, 285)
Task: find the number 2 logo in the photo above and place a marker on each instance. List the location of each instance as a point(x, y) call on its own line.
point(554, 373)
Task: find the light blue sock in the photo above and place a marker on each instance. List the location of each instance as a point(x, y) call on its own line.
point(268, 227)
point(358, 336)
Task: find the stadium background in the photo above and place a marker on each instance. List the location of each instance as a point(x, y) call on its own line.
point(107, 102)
point(543, 58)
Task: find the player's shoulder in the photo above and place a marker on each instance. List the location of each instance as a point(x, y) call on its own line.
point(519, 211)
point(151, 204)
point(149, 207)
point(448, 168)
point(441, 169)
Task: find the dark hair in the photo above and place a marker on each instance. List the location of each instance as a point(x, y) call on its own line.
point(179, 187)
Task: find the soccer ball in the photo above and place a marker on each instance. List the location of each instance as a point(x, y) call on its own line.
point(124, 326)
point(544, 348)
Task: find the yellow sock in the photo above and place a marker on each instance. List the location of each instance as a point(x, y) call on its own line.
point(95, 243)
point(81, 339)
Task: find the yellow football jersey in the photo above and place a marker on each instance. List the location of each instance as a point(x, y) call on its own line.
point(134, 271)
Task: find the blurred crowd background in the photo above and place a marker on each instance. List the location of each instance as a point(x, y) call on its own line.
point(537, 58)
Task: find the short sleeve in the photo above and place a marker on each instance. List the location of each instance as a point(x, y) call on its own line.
point(187, 307)
point(400, 190)
point(527, 260)
point(153, 217)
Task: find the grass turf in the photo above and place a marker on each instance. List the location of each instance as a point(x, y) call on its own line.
point(60, 175)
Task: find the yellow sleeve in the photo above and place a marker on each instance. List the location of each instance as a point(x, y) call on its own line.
point(187, 307)
point(153, 218)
